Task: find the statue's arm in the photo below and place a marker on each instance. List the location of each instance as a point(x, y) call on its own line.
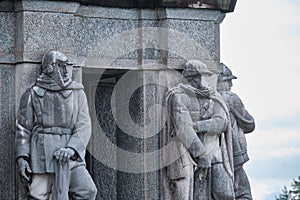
point(216, 124)
point(183, 125)
point(243, 118)
point(24, 125)
point(82, 131)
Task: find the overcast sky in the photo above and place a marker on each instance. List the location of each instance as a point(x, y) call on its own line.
point(260, 41)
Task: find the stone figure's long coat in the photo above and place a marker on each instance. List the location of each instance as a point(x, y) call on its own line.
point(193, 117)
point(242, 122)
point(51, 118)
point(215, 129)
point(183, 112)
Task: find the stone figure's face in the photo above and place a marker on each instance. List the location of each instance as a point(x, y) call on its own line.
point(54, 64)
point(228, 84)
point(60, 74)
point(62, 67)
point(199, 82)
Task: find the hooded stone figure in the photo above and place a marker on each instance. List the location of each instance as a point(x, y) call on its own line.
point(53, 129)
point(242, 123)
point(198, 119)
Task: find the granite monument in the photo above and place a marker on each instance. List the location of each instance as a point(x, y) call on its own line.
point(109, 40)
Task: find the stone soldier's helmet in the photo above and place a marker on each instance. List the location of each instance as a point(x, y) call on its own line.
point(195, 68)
point(227, 73)
point(54, 65)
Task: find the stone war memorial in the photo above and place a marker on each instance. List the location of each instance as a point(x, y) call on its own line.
point(111, 99)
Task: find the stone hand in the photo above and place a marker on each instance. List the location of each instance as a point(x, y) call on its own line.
point(201, 173)
point(203, 162)
point(201, 126)
point(63, 155)
point(203, 165)
point(24, 170)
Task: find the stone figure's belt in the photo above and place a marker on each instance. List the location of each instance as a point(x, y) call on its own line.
point(54, 131)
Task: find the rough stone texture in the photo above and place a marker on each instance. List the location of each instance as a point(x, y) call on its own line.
point(7, 36)
point(193, 39)
point(42, 32)
point(108, 13)
point(40, 28)
point(7, 137)
point(152, 116)
point(100, 32)
point(191, 14)
point(106, 184)
point(187, 39)
point(6, 6)
point(202, 32)
point(104, 177)
point(114, 33)
point(117, 184)
point(26, 75)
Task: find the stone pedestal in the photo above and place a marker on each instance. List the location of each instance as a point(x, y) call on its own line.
point(129, 57)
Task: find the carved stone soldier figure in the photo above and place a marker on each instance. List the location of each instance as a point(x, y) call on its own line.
point(198, 119)
point(242, 122)
point(53, 129)
point(183, 111)
point(213, 128)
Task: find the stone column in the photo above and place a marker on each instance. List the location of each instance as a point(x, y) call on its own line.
point(7, 99)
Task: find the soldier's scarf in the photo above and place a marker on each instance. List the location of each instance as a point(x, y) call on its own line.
point(46, 82)
point(202, 92)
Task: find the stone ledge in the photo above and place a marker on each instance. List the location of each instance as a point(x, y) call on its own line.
point(151, 14)
point(105, 12)
point(7, 58)
point(46, 6)
point(36, 57)
point(148, 64)
point(191, 14)
point(117, 13)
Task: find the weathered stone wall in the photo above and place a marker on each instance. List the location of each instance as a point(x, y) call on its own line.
point(150, 42)
point(7, 98)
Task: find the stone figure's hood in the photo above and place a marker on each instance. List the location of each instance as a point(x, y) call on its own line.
point(44, 83)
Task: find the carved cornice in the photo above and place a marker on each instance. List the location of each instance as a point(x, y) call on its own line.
point(223, 5)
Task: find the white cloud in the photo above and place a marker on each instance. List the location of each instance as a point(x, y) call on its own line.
point(266, 190)
point(274, 143)
point(261, 190)
point(273, 161)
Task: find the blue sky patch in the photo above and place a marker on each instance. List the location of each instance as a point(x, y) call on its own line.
point(287, 122)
